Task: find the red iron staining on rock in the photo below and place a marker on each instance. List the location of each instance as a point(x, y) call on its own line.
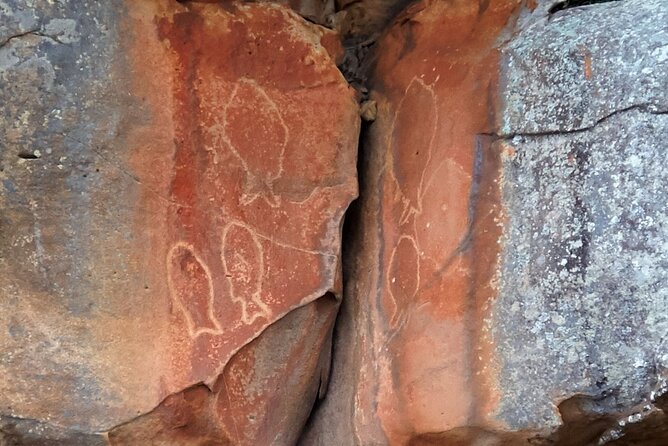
point(254, 400)
point(192, 290)
point(417, 133)
point(263, 146)
point(179, 270)
point(434, 200)
point(243, 263)
point(439, 194)
point(251, 117)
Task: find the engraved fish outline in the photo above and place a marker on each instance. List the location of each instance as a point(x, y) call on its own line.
point(390, 284)
point(411, 208)
point(254, 177)
point(193, 330)
point(257, 266)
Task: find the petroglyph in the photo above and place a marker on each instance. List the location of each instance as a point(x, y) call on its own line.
point(251, 116)
point(403, 276)
point(416, 131)
point(243, 262)
point(191, 289)
point(276, 242)
point(408, 170)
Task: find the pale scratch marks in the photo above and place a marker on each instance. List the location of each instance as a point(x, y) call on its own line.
point(243, 262)
point(403, 275)
point(275, 242)
point(413, 132)
point(191, 289)
point(251, 116)
point(249, 133)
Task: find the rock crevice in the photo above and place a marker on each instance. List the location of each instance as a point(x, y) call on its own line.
point(176, 269)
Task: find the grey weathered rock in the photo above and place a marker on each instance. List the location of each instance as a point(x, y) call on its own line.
point(569, 70)
point(583, 282)
point(59, 118)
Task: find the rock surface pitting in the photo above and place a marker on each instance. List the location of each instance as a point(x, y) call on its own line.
point(173, 182)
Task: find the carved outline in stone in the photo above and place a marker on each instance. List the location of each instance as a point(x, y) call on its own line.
point(416, 208)
point(410, 209)
point(259, 267)
point(193, 331)
point(395, 313)
point(273, 200)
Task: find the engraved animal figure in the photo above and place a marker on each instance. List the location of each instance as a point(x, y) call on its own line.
point(251, 116)
point(191, 289)
point(403, 276)
point(413, 132)
point(243, 263)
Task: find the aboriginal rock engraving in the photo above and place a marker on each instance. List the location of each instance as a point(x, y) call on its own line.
point(242, 198)
point(408, 170)
point(414, 131)
point(192, 289)
point(425, 257)
point(243, 263)
point(180, 177)
point(172, 193)
point(258, 140)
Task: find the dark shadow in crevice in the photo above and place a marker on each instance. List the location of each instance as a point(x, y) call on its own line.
point(351, 238)
point(359, 34)
point(25, 155)
point(598, 420)
point(585, 419)
point(568, 4)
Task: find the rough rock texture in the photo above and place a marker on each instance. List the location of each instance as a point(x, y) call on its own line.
point(365, 18)
point(508, 271)
point(582, 294)
point(173, 180)
point(569, 70)
point(262, 397)
point(317, 11)
point(405, 351)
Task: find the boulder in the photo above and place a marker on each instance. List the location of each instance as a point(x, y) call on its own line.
point(582, 277)
point(507, 283)
point(174, 178)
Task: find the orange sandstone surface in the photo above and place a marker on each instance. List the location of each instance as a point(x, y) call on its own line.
point(229, 139)
point(252, 165)
point(424, 265)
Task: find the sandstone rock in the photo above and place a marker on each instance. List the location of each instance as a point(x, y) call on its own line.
point(262, 397)
point(508, 276)
point(174, 178)
point(362, 19)
point(318, 11)
point(427, 236)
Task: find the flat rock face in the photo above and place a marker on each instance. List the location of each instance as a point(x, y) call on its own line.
point(428, 237)
point(580, 65)
point(509, 274)
point(173, 182)
point(582, 295)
